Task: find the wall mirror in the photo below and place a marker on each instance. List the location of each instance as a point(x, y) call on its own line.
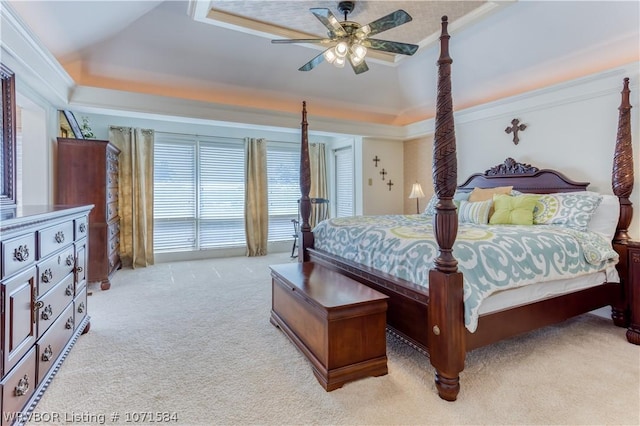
point(8, 152)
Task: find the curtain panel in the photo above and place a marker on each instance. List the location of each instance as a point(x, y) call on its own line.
point(135, 197)
point(318, 169)
point(256, 206)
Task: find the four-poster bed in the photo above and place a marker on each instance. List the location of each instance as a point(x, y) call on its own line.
point(432, 318)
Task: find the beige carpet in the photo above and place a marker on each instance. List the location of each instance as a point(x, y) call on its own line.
point(194, 339)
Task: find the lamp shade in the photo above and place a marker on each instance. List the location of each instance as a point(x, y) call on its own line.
point(416, 191)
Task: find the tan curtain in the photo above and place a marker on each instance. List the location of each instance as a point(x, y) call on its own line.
point(318, 169)
point(256, 208)
point(135, 197)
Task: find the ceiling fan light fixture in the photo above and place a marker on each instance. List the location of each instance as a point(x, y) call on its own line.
point(358, 51)
point(330, 55)
point(342, 49)
point(339, 62)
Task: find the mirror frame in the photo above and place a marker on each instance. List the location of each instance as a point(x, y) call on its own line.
point(8, 188)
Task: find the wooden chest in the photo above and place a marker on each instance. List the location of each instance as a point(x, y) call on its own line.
point(336, 322)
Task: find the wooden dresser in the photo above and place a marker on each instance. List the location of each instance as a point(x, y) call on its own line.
point(633, 291)
point(44, 299)
point(87, 173)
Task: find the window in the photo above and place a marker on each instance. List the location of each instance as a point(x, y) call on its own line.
point(199, 192)
point(344, 181)
point(283, 171)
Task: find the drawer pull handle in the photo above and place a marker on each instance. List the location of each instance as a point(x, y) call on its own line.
point(21, 253)
point(70, 260)
point(59, 237)
point(81, 307)
point(47, 354)
point(23, 386)
point(47, 276)
point(83, 227)
point(69, 290)
point(69, 324)
point(47, 313)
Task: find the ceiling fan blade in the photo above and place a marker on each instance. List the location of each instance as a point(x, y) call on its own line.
point(389, 21)
point(313, 63)
point(360, 68)
point(390, 46)
point(330, 21)
point(301, 40)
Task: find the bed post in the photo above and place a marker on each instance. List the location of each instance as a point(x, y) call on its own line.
point(622, 185)
point(305, 239)
point(622, 174)
point(446, 311)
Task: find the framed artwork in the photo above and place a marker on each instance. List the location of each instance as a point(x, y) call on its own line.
point(73, 123)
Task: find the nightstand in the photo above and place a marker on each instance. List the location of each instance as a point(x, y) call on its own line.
point(633, 293)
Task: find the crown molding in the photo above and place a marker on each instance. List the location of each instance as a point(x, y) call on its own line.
point(32, 63)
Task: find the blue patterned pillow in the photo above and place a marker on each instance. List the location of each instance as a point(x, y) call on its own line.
point(477, 212)
point(430, 209)
point(570, 209)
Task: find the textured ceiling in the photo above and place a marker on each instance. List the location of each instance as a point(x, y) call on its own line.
point(295, 15)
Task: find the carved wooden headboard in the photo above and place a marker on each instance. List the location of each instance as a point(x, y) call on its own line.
point(524, 178)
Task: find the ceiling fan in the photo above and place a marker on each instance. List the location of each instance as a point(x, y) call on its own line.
point(350, 40)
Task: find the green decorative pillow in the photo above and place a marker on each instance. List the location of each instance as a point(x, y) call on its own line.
point(570, 209)
point(509, 210)
point(474, 212)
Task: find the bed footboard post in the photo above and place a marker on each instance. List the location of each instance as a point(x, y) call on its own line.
point(622, 173)
point(305, 239)
point(446, 309)
point(622, 185)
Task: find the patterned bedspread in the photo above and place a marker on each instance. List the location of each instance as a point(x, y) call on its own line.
point(492, 258)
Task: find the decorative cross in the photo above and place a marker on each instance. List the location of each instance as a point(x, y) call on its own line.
point(515, 127)
point(375, 160)
point(383, 173)
point(389, 184)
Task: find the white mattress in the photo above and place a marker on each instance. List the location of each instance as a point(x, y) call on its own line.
point(536, 292)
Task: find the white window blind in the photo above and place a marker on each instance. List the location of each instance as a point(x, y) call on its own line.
point(283, 165)
point(199, 192)
point(174, 194)
point(344, 181)
point(221, 200)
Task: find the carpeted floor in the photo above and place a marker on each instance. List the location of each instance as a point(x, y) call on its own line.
point(193, 339)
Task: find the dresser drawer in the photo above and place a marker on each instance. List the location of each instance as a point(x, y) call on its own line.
point(18, 253)
point(55, 237)
point(80, 306)
point(81, 264)
point(114, 245)
point(112, 211)
point(50, 345)
point(112, 195)
point(18, 317)
point(51, 305)
point(52, 270)
point(114, 229)
point(114, 261)
point(18, 386)
point(82, 227)
point(112, 179)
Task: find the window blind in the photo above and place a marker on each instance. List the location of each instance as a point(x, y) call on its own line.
point(344, 181)
point(283, 166)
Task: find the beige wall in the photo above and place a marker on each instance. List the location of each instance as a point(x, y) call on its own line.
point(418, 154)
point(376, 196)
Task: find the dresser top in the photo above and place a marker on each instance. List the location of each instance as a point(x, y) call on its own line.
point(23, 216)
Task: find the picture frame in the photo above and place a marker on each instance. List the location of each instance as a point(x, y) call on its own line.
point(73, 123)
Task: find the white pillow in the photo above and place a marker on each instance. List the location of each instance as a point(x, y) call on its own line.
point(605, 218)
